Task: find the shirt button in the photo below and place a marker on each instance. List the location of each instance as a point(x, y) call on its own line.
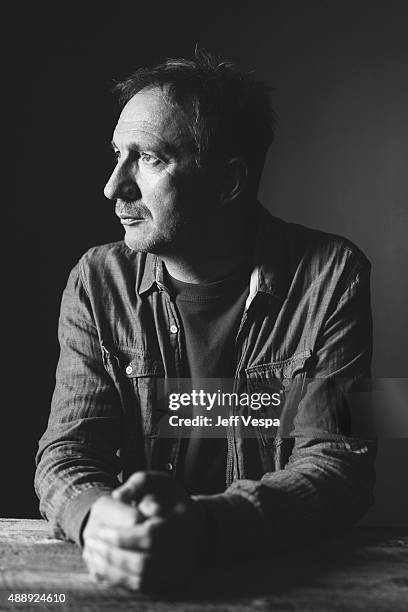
point(169, 466)
point(129, 369)
point(173, 329)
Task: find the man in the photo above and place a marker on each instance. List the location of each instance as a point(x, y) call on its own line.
point(206, 285)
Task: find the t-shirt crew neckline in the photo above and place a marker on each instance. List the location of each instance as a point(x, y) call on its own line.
point(208, 292)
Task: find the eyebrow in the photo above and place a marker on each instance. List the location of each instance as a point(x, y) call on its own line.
point(167, 148)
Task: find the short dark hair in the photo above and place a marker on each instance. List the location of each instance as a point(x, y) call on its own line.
point(229, 112)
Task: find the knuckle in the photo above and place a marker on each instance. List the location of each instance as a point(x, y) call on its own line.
point(133, 583)
point(98, 564)
point(100, 504)
point(148, 542)
point(138, 478)
point(135, 563)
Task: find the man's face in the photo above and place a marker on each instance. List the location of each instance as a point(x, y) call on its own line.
point(162, 199)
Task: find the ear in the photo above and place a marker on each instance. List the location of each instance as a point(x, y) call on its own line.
point(235, 179)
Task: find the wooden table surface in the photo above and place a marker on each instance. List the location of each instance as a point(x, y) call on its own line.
point(364, 570)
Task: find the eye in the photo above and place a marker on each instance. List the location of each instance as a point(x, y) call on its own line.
point(149, 159)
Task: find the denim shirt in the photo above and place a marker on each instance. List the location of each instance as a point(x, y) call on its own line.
point(306, 323)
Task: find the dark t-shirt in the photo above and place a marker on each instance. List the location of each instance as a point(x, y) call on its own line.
point(210, 314)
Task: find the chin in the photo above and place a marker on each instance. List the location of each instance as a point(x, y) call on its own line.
point(145, 244)
point(136, 239)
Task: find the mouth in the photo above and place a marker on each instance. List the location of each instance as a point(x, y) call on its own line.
point(130, 220)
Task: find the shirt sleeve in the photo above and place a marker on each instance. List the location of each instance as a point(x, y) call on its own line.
point(77, 459)
point(326, 484)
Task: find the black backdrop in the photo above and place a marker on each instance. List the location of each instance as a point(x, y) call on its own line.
point(339, 164)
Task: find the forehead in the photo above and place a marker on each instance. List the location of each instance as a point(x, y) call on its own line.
point(151, 113)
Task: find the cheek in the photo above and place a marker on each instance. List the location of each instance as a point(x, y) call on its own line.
point(162, 196)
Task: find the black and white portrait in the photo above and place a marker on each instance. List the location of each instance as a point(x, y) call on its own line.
point(206, 291)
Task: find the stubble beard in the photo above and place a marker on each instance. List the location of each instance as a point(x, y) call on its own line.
point(156, 242)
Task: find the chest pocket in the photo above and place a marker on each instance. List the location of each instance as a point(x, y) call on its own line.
point(138, 379)
point(283, 381)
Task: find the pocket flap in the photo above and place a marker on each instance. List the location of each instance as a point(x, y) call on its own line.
point(143, 366)
point(133, 363)
point(285, 368)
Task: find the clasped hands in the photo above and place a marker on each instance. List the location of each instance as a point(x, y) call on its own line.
point(147, 535)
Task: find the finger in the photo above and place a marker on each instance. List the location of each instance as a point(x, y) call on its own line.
point(113, 512)
point(143, 537)
point(93, 565)
point(101, 571)
point(132, 489)
point(131, 562)
point(140, 484)
point(150, 506)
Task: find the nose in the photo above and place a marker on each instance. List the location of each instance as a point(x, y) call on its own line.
point(122, 185)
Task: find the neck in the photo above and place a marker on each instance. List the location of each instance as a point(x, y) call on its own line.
point(213, 255)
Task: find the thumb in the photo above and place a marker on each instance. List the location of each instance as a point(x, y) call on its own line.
point(131, 490)
point(151, 506)
point(140, 484)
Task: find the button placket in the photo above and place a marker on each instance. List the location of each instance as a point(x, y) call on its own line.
point(174, 339)
point(174, 335)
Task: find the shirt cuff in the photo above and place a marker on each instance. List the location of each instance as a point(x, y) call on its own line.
point(77, 509)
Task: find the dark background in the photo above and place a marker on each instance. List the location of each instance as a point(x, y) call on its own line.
point(339, 164)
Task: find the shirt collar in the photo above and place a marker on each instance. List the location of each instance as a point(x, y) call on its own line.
point(153, 270)
point(272, 254)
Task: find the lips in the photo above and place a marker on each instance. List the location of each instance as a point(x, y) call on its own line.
point(131, 213)
point(130, 220)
